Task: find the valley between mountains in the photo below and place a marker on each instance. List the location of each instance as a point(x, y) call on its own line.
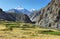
point(20, 23)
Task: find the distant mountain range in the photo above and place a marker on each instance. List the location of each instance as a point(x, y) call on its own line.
point(20, 10)
point(15, 15)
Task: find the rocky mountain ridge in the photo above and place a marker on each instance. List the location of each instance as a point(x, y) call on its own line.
point(12, 16)
point(50, 15)
point(19, 10)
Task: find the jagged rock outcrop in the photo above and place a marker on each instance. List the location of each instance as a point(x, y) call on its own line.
point(33, 16)
point(19, 17)
point(50, 15)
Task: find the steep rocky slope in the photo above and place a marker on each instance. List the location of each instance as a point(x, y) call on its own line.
point(50, 15)
point(33, 16)
point(5, 16)
point(10, 16)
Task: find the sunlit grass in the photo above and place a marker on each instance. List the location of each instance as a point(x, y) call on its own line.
point(17, 30)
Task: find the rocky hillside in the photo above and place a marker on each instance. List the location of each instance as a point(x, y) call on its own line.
point(50, 15)
point(5, 16)
point(20, 17)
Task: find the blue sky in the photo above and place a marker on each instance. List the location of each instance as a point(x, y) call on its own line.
point(28, 4)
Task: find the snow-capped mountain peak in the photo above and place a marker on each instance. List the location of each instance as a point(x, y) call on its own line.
point(32, 10)
point(19, 8)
